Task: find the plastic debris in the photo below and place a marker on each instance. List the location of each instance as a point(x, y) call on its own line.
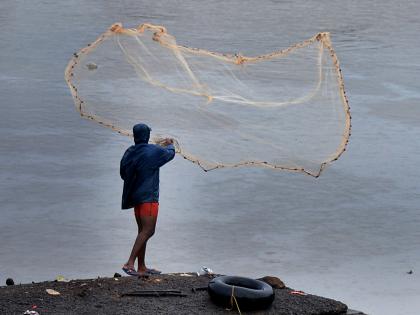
point(52, 292)
point(298, 293)
point(185, 275)
point(204, 271)
point(30, 312)
point(61, 278)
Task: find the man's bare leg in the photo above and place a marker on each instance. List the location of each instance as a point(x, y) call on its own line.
point(148, 224)
point(141, 265)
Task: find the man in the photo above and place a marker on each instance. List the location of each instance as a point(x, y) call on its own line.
point(139, 169)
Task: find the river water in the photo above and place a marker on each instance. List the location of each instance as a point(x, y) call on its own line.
point(353, 234)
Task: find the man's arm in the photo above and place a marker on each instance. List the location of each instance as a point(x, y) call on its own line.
point(163, 155)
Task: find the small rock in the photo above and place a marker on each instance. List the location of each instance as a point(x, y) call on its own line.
point(410, 272)
point(82, 293)
point(9, 281)
point(117, 275)
point(275, 282)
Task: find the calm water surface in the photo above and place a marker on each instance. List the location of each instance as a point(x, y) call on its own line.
point(351, 234)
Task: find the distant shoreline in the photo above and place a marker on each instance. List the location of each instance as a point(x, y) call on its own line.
point(106, 296)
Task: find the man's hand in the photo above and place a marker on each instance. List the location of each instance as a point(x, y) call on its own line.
point(167, 141)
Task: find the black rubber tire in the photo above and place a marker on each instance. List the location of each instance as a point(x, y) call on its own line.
point(250, 294)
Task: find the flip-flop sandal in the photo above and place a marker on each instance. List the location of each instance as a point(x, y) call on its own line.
point(130, 271)
point(152, 271)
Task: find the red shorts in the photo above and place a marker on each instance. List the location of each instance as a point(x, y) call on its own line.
point(147, 209)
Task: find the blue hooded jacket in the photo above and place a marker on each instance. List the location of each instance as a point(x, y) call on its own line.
point(139, 168)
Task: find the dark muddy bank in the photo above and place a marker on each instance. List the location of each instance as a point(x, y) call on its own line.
point(107, 296)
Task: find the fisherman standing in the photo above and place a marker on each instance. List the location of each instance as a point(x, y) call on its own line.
point(139, 169)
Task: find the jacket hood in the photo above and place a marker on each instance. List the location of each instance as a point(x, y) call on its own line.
point(141, 133)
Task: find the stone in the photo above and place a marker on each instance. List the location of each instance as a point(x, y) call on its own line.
point(9, 281)
point(275, 282)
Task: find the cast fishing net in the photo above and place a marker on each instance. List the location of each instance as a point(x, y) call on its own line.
point(284, 110)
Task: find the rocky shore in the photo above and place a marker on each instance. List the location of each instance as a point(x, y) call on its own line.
point(183, 293)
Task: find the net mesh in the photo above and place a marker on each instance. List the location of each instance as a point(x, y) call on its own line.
point(284, 110)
